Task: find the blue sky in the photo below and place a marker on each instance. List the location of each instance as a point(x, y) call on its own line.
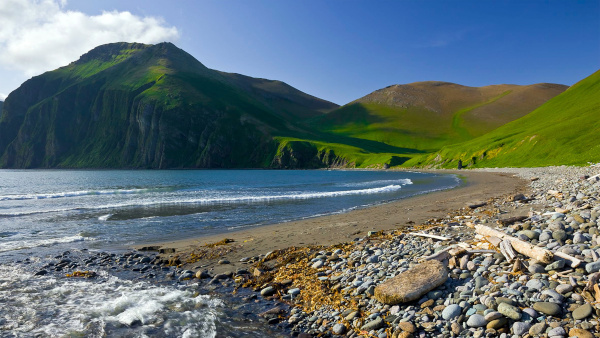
point(338, 50)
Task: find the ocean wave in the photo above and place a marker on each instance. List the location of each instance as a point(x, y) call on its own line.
point(124, 307)
point(75, 194)
point(403, 181)
point(219, 200)
point(33, 243)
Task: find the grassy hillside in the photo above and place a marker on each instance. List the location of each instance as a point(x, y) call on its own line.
point(129, 105)
point(562, 131)
point(426, 116)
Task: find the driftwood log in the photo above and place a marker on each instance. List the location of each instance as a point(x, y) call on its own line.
point(441, 238)
point(522, 247)
point(511, 220)
point(575, 262)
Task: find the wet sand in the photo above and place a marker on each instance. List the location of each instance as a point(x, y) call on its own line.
point(478, 186)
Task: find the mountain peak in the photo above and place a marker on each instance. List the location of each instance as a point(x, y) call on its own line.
point(110, 51)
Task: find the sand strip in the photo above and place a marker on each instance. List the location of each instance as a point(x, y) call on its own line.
point(339, 228)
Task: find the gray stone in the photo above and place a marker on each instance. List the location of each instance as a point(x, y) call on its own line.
point(592, 267)
point(536, 268)
point(294, 291)
point(530, 234)
point(318, 264)
point(544, 236)
point(578, 238)
point(520, 328)
point(548, 308)
point(269, 290)
point(557, 332)
point(535, 284)
point(553, 294)
point(451, 311)
point(582, 312)
point(559, 264)
point(492, 316)
point(564, 288)
point(476, 320)
point(509, 311)
point(537, 329)
point(375, 324)
point(339, 329)
point(559, 235)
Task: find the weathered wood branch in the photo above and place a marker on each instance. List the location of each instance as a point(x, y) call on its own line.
point(575, 262)
point(441, 238)
point(507, 250)
point(522, 247)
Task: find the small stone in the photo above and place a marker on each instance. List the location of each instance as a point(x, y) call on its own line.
point(375, 324)
point(203, 274)
point(451, 311)
point(351, 316)
point(592, 267)
point(520, 328)
point(557, 332)
point(564, 288)
point(223, 261)
point(535, 284)
point(582, 312)
point(294, 291)
point(269, 290)
point(559, 264)
point(580, 333)
point(339, 329)
point(578, 238)
point(537, 329)
point(456, 328)
point(548, 308)
point(407, 327)
point(559, 235)
point(318, 264)
point(497, 323)
point(509, 311)
point(493, 316)
point(476, 320)
point(427, 303)
point(536, 268)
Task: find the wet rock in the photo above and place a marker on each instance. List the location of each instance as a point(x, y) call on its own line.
point(375, 324)
point(580, 333)
point(268, 291)
point(413, 283)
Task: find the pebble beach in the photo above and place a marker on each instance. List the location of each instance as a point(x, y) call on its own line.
point(478, 292)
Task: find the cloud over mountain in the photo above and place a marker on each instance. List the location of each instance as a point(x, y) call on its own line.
point(40, 35)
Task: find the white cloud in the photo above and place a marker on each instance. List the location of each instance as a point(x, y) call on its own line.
point(40, 35)
point(2, 96)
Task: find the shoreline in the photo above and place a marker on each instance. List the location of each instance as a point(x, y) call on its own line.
point(477, 186)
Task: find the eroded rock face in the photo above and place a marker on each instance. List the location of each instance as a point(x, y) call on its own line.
point(413, 283)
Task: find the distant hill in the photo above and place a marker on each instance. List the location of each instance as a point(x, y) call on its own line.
point(564, 130)
point(429, 115)
point(1, 103)
point(129, 105)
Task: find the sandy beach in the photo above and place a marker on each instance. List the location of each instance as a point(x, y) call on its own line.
point(477, 186)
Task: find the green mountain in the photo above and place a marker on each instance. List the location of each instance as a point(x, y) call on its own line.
point(564, 130)
point(426, 116)
point(1, 103)
point(126, 105)
point(129, 105)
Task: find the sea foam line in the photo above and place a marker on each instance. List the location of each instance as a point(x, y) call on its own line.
point(75, 194)
point(33, 243)
point(222, 200)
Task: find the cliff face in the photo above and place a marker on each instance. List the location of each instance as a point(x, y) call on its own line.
point(143, 106)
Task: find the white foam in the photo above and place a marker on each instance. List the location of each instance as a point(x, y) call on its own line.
point(223, 200)
point(49, 306)
point(73, 194)
point(104, 218)
point(32, 243)
point(403, 181)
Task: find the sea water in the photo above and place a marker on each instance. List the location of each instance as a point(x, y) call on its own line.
point(46, 212)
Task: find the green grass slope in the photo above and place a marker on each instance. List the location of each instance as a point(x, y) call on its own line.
point(425, 116)
point(148, 106)
point(564, 130)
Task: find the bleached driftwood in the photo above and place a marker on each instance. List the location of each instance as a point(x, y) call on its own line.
point(441, 238)
point(522, 247)
point(441, 255)
point(575, 262)
point(507, 250)
point(495, 241)
point(593, 279)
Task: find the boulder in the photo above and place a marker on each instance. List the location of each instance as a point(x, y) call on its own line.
point(413, 283)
